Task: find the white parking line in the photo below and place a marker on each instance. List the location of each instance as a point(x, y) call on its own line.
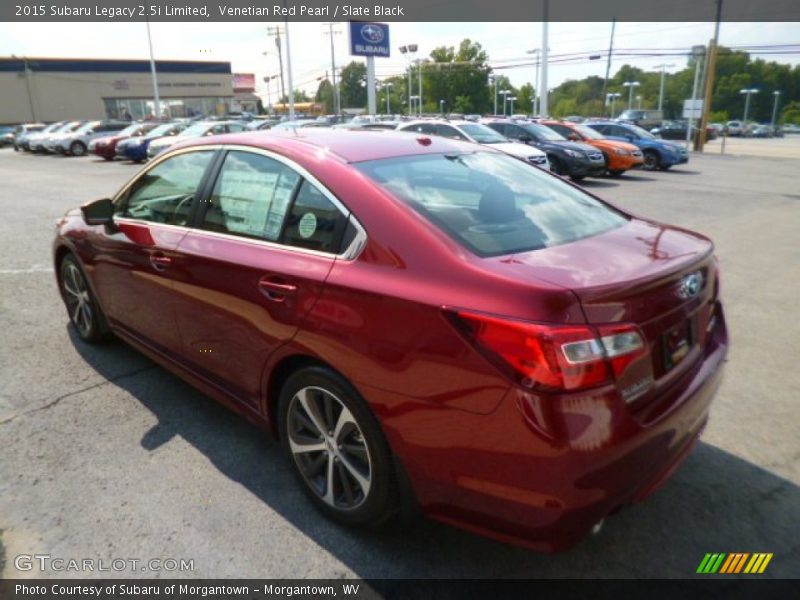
point(33, 269)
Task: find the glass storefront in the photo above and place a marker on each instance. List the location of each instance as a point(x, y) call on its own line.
point(139, 109)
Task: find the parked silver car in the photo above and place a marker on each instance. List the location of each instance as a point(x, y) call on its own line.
point(22, 131)
point(199, 129)
point(76, 142)
point(34, 141)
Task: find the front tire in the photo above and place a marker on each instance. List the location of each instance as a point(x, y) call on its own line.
point(77, 149)
point(616, 173)
point(84, 313)
point(651, 160)
point(336, 448)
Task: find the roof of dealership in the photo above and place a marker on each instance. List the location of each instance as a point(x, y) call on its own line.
point(92, 65)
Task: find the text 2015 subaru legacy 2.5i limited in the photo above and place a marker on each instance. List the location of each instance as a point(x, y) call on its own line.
point(422, 322)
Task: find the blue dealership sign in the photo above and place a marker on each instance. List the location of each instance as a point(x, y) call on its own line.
point(369, 39)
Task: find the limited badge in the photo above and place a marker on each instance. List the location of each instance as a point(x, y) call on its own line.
point(307, 225)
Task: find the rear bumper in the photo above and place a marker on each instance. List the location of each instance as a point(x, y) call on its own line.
point(541, 472)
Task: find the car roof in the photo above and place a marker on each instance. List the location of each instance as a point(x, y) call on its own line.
point(348, 145)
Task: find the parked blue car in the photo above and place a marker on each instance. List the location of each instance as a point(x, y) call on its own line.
point(658, 153)
point(135, 148)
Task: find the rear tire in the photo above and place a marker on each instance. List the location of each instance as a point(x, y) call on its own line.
point(651, 160)
point(336, 448)
point(616, 173)
point(84, 312)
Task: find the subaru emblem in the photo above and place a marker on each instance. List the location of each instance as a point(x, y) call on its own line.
point(690, 286)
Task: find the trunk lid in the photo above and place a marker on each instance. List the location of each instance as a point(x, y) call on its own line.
point(660, 278)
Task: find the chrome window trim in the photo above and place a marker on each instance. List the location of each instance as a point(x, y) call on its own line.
point(349, 254)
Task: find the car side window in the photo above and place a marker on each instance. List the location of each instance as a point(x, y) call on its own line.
point(164, 194)
point(562, 129)
point(499, 128)
point(422, 128)
point(314, 223)
point(514, 132)
point(449, 132)
point(251, 196)
point(235, 128)
point(618, 131)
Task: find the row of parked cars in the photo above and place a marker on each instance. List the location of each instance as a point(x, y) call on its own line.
point(110, 139)
point(575, 150)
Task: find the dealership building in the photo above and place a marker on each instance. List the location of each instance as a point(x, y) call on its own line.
point(55, 89)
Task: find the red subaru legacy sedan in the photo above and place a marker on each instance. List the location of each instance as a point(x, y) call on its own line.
point(422, 322)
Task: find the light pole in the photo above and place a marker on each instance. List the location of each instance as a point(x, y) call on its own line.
point(777, 95)
point(511, 111)
point(419, 85)
point(697, 52)
point(441, 107)
point(638, 102)
point(412, 99)
point(336, 98)
point(663, 68)
point(269, 97)
point(747, 93)
point(612, 96)
point(407, 51)
point(152, 73)
point(630, 85)
point(504, 93)
point(386, 92)
point(493, 80)
point(535, 99)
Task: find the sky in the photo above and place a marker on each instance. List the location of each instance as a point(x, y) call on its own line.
point(244, 44)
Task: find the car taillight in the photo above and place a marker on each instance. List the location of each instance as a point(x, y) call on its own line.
point(554, 357)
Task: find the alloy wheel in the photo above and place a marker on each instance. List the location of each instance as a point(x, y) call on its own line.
point(329, 448)
point(78, 299)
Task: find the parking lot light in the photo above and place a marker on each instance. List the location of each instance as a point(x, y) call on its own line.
point(747, 92)
point(777, 95)
point(630, 85)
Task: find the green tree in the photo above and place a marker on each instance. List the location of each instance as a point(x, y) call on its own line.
point(325, 95)
point(352, 85)
point(451, 73)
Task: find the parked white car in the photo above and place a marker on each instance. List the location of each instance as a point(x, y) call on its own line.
point(479, 134)
point(76, 142)
point(735, 128)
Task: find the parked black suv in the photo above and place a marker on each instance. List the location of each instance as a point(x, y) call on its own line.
point(575, 159)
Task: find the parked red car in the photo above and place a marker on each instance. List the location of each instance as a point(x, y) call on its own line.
point(419, 321)
point(106, 147)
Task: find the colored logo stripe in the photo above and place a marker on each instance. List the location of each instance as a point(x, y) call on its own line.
point(734, 563)
point(758, 563)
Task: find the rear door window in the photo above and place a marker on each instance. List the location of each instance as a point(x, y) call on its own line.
point(250, 197)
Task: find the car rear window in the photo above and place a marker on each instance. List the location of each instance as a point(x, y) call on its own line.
point(491, 203)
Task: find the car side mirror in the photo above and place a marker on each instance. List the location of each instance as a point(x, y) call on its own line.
point(99, 212)
point(629, 137)
point(525, 139)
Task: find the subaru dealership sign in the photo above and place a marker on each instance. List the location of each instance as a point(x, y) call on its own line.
point(369, 39)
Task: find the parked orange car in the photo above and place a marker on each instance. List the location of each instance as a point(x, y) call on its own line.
point(620, 156)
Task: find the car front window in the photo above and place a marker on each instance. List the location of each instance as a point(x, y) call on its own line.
point(491, 203)
point(165, 193)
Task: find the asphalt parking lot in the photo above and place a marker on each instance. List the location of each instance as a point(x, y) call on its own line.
point(106, 455)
